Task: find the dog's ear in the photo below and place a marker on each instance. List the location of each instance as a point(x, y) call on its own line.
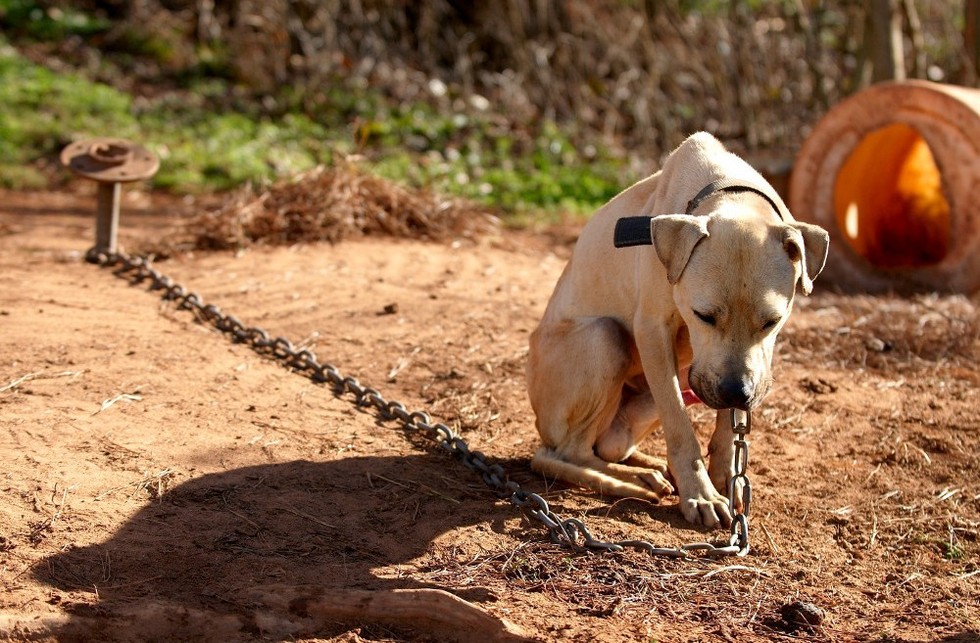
point(808, 244)
point(674, 237)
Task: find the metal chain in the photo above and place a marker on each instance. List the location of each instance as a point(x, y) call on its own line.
point(568, 532)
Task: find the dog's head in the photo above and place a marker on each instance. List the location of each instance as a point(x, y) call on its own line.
point(734, 273)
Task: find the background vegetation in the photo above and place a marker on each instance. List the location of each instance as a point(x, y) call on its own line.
point(524, 105)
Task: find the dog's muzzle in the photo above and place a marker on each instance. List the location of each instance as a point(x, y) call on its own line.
point(729, 392)
point(736, 393)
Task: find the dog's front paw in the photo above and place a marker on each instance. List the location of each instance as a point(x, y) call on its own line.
point(700, 502)
point(710, 509)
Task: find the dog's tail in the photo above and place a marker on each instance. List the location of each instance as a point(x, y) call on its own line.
point(593, 474)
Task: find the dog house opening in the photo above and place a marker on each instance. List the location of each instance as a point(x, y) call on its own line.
point(889, 201)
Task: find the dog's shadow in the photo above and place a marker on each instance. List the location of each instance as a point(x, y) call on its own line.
point(201, 549)
point(340, 524)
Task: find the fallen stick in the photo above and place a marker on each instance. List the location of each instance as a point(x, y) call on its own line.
point(431, 611)
point(280, 611)
point(151, 621)
point(14, 383)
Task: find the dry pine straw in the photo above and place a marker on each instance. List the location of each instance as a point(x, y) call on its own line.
point(332, 204)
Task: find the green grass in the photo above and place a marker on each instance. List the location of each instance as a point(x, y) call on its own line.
point(205, 145)
point(200, 149)
point(43, 111)
point(27, 18)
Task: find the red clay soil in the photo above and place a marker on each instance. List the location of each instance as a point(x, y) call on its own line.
point(162, 483)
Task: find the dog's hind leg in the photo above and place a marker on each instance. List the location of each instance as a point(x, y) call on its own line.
point(636, 418)
point(576, 374)
point(596, 474)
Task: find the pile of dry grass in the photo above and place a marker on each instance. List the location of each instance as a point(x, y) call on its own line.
point(335, 203)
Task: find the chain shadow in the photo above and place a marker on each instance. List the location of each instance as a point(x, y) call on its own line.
point(337, 525)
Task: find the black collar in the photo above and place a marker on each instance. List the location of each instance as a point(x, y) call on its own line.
point(730, 185)
point(635, 231)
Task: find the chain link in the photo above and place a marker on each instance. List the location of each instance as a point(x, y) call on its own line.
point(568, 532)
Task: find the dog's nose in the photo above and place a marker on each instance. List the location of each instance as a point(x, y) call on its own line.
point(736, 392)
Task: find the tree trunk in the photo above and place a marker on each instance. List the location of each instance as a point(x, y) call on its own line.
point(971, 42)
point(916, 38)
point(888, 59)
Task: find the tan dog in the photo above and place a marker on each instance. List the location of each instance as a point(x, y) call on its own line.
point(694, 296)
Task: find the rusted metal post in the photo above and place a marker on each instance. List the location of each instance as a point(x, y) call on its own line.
point(110, 162)
point(107, 217)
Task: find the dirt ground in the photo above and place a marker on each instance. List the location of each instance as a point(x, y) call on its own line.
point(162, 483)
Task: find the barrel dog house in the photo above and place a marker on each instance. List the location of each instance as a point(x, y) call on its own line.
point(893, 174)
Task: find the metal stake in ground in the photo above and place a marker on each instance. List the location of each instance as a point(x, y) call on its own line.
point(110, 162)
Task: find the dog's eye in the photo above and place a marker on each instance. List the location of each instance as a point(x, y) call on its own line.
point(706, 318)
point(769, 325)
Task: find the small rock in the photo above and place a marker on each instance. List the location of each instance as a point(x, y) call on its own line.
point(390, 309)
point(877, 345)
point(818, 385)
point(800, 615)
